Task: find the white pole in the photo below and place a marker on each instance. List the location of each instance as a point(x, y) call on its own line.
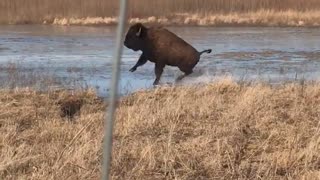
point(107, 147)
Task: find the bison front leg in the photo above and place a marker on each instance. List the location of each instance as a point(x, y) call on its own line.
point(142, 60)
point(158, 71)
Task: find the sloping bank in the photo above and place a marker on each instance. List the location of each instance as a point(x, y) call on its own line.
point(222, 130)
point(260, 18)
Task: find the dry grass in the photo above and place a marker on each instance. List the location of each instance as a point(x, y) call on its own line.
point(259, 18)
point(36, 143)
point(222, 130)
point(84, 12)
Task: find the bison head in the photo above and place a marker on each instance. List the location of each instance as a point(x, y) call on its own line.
point(135, 37)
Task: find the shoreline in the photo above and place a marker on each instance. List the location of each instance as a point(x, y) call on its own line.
point(262, 18)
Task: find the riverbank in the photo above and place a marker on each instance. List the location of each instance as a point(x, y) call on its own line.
point(185, 12)
point(218, 130)
point(255, 19)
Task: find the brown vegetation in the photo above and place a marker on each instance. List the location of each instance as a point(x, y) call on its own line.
point(83, 12)
point(223, 130)
point(70, 106)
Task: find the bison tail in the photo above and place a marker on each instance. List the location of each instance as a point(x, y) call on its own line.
point(206, 51)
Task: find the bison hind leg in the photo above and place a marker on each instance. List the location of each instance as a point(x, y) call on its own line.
point(187, 71)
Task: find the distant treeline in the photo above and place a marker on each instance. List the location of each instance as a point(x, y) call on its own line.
point(38, 11)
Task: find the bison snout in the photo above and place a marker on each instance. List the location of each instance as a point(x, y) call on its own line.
point(127, 45)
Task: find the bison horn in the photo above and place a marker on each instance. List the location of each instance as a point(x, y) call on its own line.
point(139, 32)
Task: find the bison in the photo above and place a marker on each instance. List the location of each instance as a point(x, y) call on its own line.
point(162, 47)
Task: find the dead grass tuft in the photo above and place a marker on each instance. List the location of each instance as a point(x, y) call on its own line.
point(223, 130)
point(71, 105)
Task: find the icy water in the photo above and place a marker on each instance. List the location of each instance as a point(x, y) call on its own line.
point(83, 55)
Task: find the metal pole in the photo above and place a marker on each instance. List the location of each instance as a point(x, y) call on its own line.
point(107, 147)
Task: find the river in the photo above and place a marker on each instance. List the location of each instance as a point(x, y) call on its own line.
point(82, 56)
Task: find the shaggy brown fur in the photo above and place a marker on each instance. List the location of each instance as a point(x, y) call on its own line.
point(162, 47)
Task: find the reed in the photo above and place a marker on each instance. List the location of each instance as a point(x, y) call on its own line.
point(40, 11)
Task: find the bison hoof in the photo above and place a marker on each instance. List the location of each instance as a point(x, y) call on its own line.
point(133, 69)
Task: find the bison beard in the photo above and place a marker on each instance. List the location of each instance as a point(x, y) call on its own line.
point(162, 47)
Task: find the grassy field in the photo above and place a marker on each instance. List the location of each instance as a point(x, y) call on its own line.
point(167, 12)
point(222, 130)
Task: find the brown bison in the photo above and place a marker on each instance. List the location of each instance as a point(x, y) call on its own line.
point(162, 47)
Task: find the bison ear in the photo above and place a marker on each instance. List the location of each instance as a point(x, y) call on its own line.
point(138, 34)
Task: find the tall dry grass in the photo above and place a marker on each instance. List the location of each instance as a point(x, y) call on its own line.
point(222, 130)
point(47, 11)
point(260, 18)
